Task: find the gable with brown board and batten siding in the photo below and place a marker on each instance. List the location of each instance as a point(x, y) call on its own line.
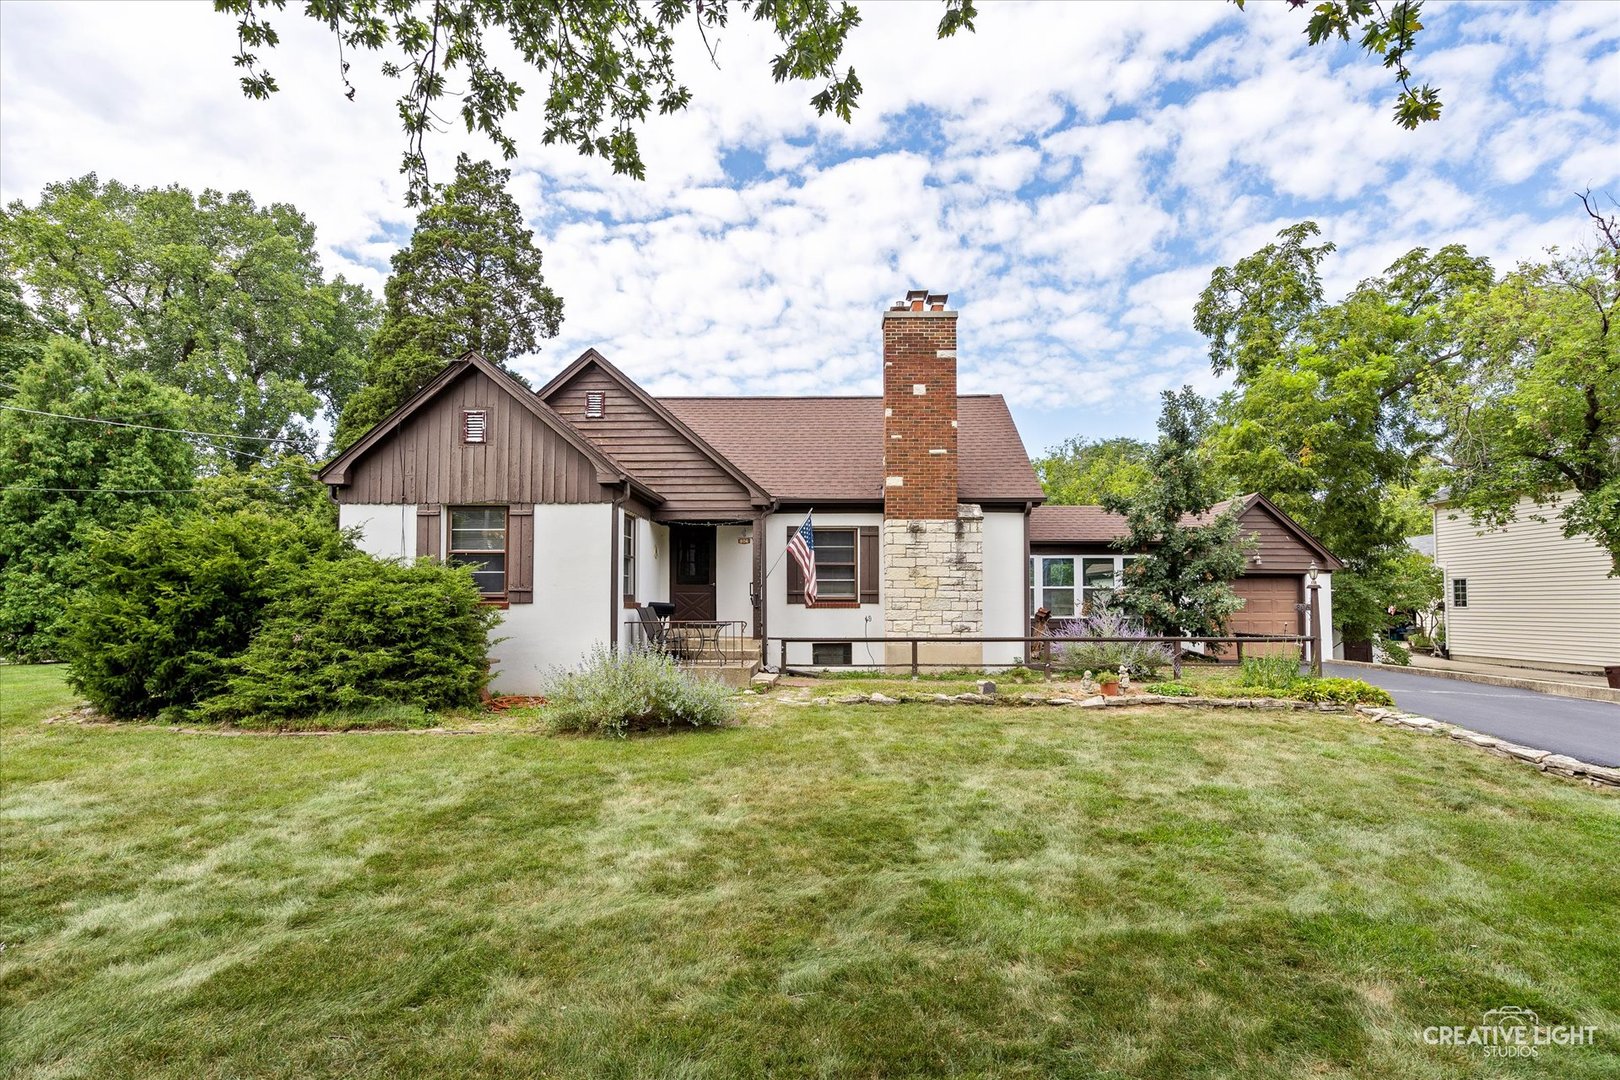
point(523, 456)
point(646, 439)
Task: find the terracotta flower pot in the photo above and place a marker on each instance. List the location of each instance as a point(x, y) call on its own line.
point(1111, 689)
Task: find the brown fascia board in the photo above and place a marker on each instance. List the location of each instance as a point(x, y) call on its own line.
point(757, 495)
point(336, 472)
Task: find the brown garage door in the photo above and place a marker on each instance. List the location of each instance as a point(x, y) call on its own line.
point(1268, 608)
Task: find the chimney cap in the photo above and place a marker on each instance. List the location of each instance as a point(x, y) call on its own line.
point(921, 300)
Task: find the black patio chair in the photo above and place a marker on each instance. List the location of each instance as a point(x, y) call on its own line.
point(654, 629)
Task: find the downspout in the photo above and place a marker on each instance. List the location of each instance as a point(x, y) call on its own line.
point(761, 601)
point(614, 604)
point(1029, 616)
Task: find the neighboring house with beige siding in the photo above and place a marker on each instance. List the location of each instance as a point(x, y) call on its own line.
point(1525, 593)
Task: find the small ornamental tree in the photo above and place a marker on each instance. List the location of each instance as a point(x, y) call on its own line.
point(1180, 582)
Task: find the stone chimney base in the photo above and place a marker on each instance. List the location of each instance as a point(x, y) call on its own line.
point(933, 586)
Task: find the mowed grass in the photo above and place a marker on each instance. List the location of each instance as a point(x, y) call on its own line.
point(840, 892)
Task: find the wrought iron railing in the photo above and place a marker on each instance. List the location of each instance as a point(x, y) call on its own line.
point(695, 642)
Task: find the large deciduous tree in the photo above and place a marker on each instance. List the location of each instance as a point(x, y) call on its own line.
point(63, 480)
point(1326, 416)
point(1181, 581)
point(1081, 471)
point(607, 65)
point(470, 279)
point(211, 293)
point(1536, 413)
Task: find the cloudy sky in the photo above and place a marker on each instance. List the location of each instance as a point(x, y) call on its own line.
point(1070, 175)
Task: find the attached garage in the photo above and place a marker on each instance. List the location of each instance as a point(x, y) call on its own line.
point(1072, 545)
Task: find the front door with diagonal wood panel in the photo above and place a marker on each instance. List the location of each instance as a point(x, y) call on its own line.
point(692, 569)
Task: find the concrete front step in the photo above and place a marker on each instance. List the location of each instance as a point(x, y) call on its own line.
point(736, 674)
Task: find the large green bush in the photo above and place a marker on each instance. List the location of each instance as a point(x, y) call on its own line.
point(359, 633)
point(172, 601)
point(616, 692)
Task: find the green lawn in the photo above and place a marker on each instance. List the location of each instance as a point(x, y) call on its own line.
point(868, 891)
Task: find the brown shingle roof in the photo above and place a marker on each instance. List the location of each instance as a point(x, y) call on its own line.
point(831, 448)
point(1093, 524)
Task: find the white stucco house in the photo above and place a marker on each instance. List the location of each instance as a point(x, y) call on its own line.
point(581, 502)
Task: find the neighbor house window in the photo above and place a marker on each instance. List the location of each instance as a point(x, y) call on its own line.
point(835, 565)
point(627, 558)
point(1459, 592)
point(474, 425)
point(830, 653)
point(478, 540)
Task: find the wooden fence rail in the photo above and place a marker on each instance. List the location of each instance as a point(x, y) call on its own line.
point(1039, 647)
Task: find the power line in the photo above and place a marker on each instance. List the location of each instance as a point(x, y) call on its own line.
point(110, 491)
point(150, 427)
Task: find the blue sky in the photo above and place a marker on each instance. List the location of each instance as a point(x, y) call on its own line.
point(1071, 174)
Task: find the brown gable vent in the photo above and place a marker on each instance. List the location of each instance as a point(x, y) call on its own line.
point(473, 425)
point(595, 402)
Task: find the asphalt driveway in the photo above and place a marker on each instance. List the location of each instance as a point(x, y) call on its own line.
point(1588, 730)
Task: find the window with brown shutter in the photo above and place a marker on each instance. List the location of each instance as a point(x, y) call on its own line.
point(474, 425)
point(847, 567)
point(478, 540)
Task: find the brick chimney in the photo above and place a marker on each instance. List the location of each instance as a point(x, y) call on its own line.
point(933, 546)
point(919, 409)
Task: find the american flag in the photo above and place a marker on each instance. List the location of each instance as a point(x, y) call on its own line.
point(802, 546)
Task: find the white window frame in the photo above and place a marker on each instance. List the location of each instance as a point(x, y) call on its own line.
point(1083, 592)
point(854, 595)
point(472, 556)
point(627, 558)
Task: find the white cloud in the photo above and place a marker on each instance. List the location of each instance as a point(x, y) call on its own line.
point(1070, 173)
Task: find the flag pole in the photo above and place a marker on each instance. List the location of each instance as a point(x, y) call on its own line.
point(810, 513)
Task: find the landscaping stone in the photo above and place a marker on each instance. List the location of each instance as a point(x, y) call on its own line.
point(1061, 701)
point(765, 679)
point(987, 688)
point(1094, 702)
point(973, 699)
point(883, 699)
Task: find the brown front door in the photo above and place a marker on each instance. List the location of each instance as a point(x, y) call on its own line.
point(693, 587)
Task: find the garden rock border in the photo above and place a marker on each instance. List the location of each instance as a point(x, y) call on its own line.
point(1545, 760)
point(1062, 700)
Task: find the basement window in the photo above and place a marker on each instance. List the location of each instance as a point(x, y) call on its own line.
point(832, 654)
point(1459, 592)
point(595, 404)
point(474, 425)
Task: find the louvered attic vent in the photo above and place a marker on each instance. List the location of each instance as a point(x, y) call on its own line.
point(472, 426)
point(594, 403)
